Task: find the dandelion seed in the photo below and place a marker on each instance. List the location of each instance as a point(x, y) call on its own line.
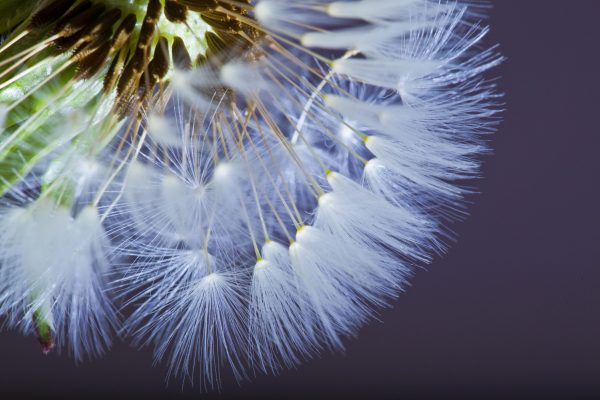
point(52, 273)
point(256, 177)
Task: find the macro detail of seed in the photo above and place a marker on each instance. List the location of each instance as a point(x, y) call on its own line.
point(176, 12)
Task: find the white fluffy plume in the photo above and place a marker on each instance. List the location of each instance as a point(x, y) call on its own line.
point(274, 194)
point(340, 158)
point(53, 269)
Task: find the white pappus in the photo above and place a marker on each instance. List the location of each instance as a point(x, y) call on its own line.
point(262, 200)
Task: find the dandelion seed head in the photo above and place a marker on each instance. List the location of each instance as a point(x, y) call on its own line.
point(255, 179)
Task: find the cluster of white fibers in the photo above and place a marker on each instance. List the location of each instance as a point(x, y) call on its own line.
point(263, 202)
point(281, 200)
point(55, 261)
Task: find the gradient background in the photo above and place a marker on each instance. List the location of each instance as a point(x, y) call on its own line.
point(511, 311)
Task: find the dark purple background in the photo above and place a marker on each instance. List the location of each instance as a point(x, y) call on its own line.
point(513, 310)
